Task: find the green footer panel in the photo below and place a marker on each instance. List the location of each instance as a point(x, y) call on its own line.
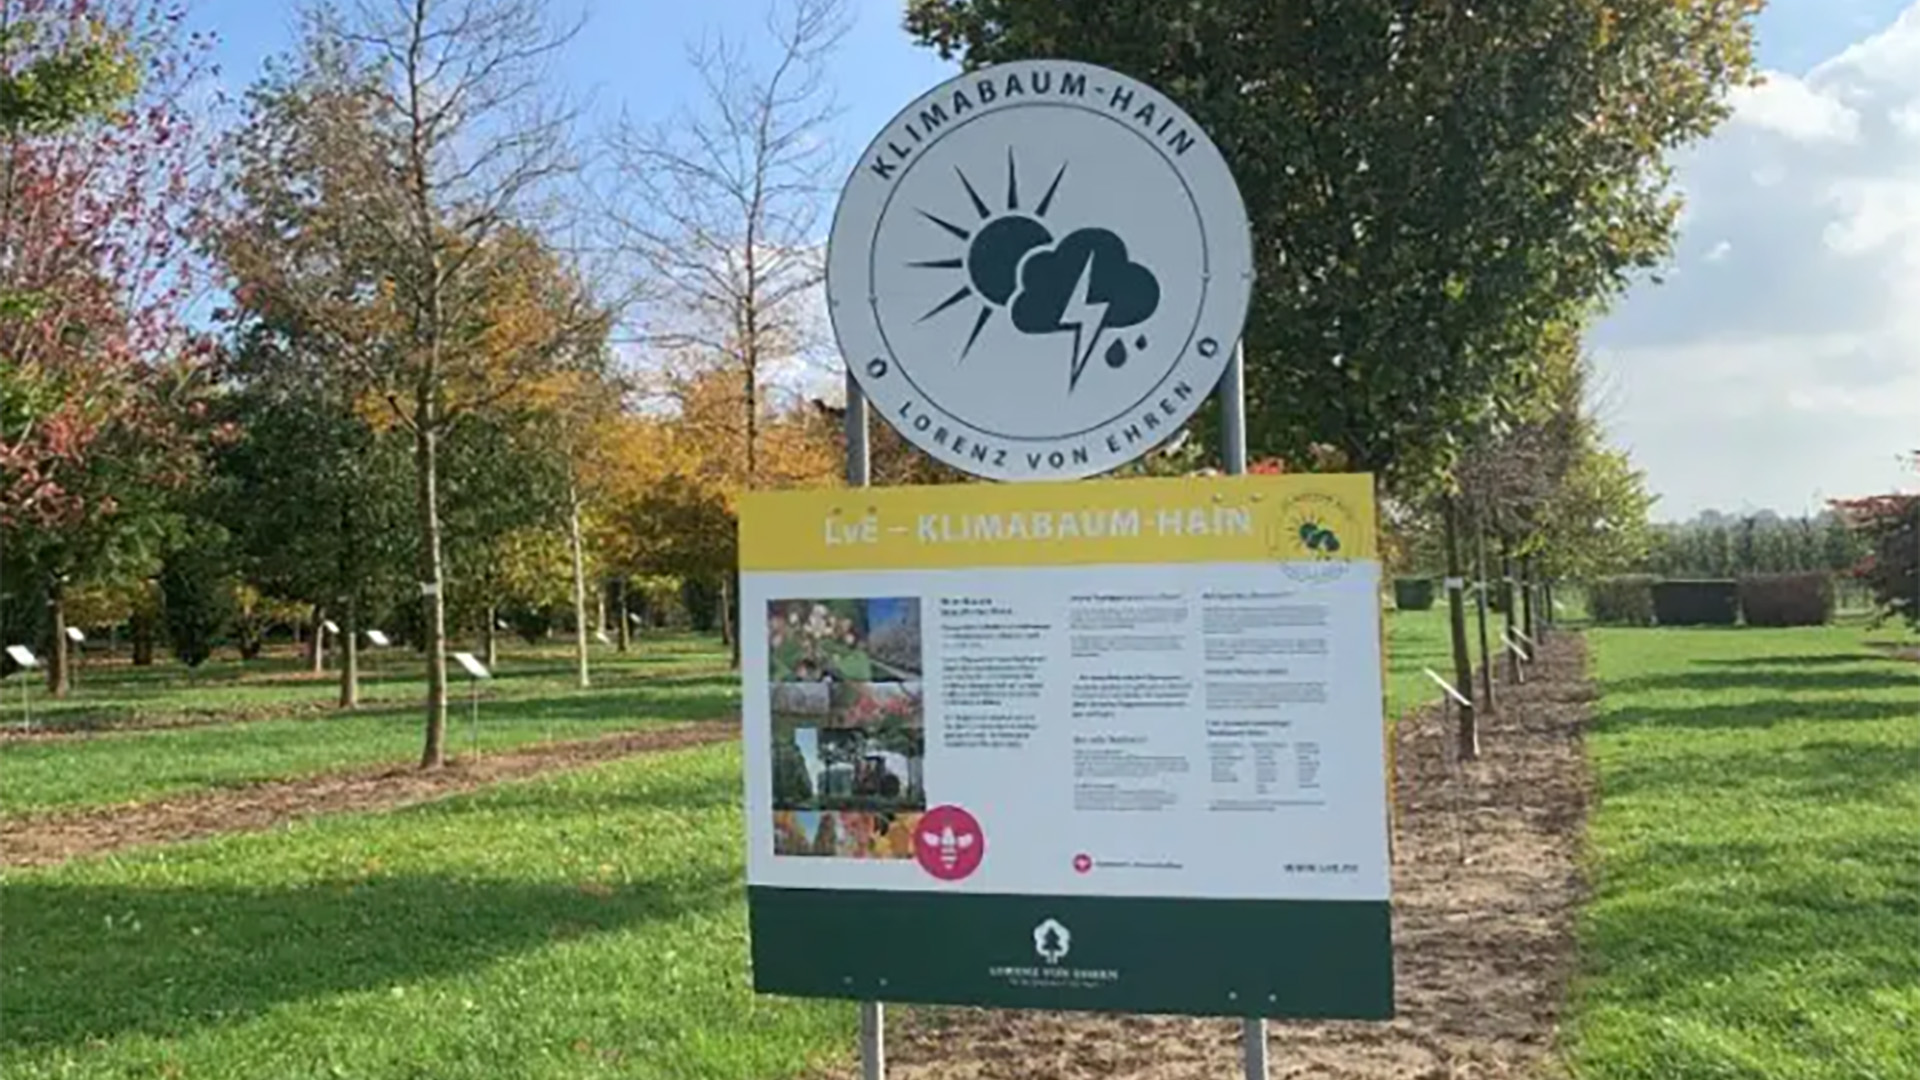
point(1272, 958)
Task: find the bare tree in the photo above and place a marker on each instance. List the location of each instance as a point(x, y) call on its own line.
point(440, 177)
point(721, 208)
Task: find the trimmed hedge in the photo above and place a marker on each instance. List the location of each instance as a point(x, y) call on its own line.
point(1701, 602)
point(1621, 601)
point(1787, 599)
point(1413, 594)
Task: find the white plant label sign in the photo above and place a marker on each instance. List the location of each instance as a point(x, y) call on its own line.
point(1039, 270)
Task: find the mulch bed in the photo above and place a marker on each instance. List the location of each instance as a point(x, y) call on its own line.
point(43, 840)
point(1483, 948)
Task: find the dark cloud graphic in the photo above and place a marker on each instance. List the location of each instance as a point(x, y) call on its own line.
point(993, 260)
point(1085, 284)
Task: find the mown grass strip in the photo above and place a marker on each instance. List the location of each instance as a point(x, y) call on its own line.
point(589, 924)
point(1757, 859)
point(45, 775)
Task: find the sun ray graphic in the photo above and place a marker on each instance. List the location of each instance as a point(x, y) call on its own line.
point(965, 291)
point(991, 259)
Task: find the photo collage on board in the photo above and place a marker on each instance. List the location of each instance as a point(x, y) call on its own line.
point(849, 743)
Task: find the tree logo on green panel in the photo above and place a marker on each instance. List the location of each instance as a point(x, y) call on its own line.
point(1052, 941)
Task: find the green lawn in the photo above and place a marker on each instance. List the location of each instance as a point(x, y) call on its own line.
point(1415, 640)
point(588, 924)
point(580, 925)
point(1756, 851)
point(675, 679)
point(111, 692)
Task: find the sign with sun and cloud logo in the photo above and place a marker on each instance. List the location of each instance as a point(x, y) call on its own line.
point(1106, 746)
point(1039, 270)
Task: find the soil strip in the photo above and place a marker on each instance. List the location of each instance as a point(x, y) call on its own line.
point(43, 840)
point(1483, 949)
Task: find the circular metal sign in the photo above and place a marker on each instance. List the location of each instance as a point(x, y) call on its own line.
point(1039, 270)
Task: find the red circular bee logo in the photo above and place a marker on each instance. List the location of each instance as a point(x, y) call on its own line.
point(948, 843)
point(1082, 863)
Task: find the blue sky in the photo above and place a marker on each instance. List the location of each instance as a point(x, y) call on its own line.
point(1780, 363)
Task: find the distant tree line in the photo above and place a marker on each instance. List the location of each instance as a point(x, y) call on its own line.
point(1721, 546)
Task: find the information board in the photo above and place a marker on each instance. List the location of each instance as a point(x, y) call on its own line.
point(1111, 745)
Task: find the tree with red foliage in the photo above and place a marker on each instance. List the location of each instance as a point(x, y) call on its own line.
point(1891, 526)
point(99, 376)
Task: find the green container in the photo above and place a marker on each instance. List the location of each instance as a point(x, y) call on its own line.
point(1413, 594)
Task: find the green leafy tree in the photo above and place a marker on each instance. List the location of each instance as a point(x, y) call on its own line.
point(197, 594)
point(1430, 186)
point(414, 143)
point(315, 497)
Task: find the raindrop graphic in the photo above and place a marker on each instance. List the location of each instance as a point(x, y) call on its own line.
point(1117, 354)
point(1140, 342)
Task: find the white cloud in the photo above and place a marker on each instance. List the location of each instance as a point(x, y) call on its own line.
point(1907, 119)
point(1793, 369)
point(1790, 107)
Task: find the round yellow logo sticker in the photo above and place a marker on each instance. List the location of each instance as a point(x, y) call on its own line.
point(1309, 535)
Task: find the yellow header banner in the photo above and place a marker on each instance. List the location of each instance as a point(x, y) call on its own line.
point(1304, 518)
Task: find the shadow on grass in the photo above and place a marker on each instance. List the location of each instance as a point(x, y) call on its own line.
point(656, 697)
point(1827, 771)
point(1778, 660)
point(616, 707)
point(91, 962)
point(689, 794)
point(1753, 714)
point(1866, 674)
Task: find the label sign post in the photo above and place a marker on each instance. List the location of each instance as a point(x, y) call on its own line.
point(1109, 746)
point(476, 674)
point(1117, 745)
point(28, 663)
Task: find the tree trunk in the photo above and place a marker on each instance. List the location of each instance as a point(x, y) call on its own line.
point(579, 588)
point(317, 648)
point(350, 654)
point(141, 628)
point(59, 676)
point(620, 612)
point(1487, 701)
point(427, 463)
point(1468, 733)
point(1508, 593)
point(1527, 589)
point(491, 641)
point(1546, 604)
point(728, 633)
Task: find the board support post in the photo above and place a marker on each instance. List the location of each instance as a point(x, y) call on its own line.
point(1233, 456)
point(873, 1014)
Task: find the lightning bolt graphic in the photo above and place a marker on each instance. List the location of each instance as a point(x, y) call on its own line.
point(1080, 314)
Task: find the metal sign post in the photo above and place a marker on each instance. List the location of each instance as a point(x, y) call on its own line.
point(1233, 454)
point(873, 1015)
point(476, 671)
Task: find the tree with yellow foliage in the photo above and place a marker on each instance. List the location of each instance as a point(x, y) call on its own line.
point(411, 143)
